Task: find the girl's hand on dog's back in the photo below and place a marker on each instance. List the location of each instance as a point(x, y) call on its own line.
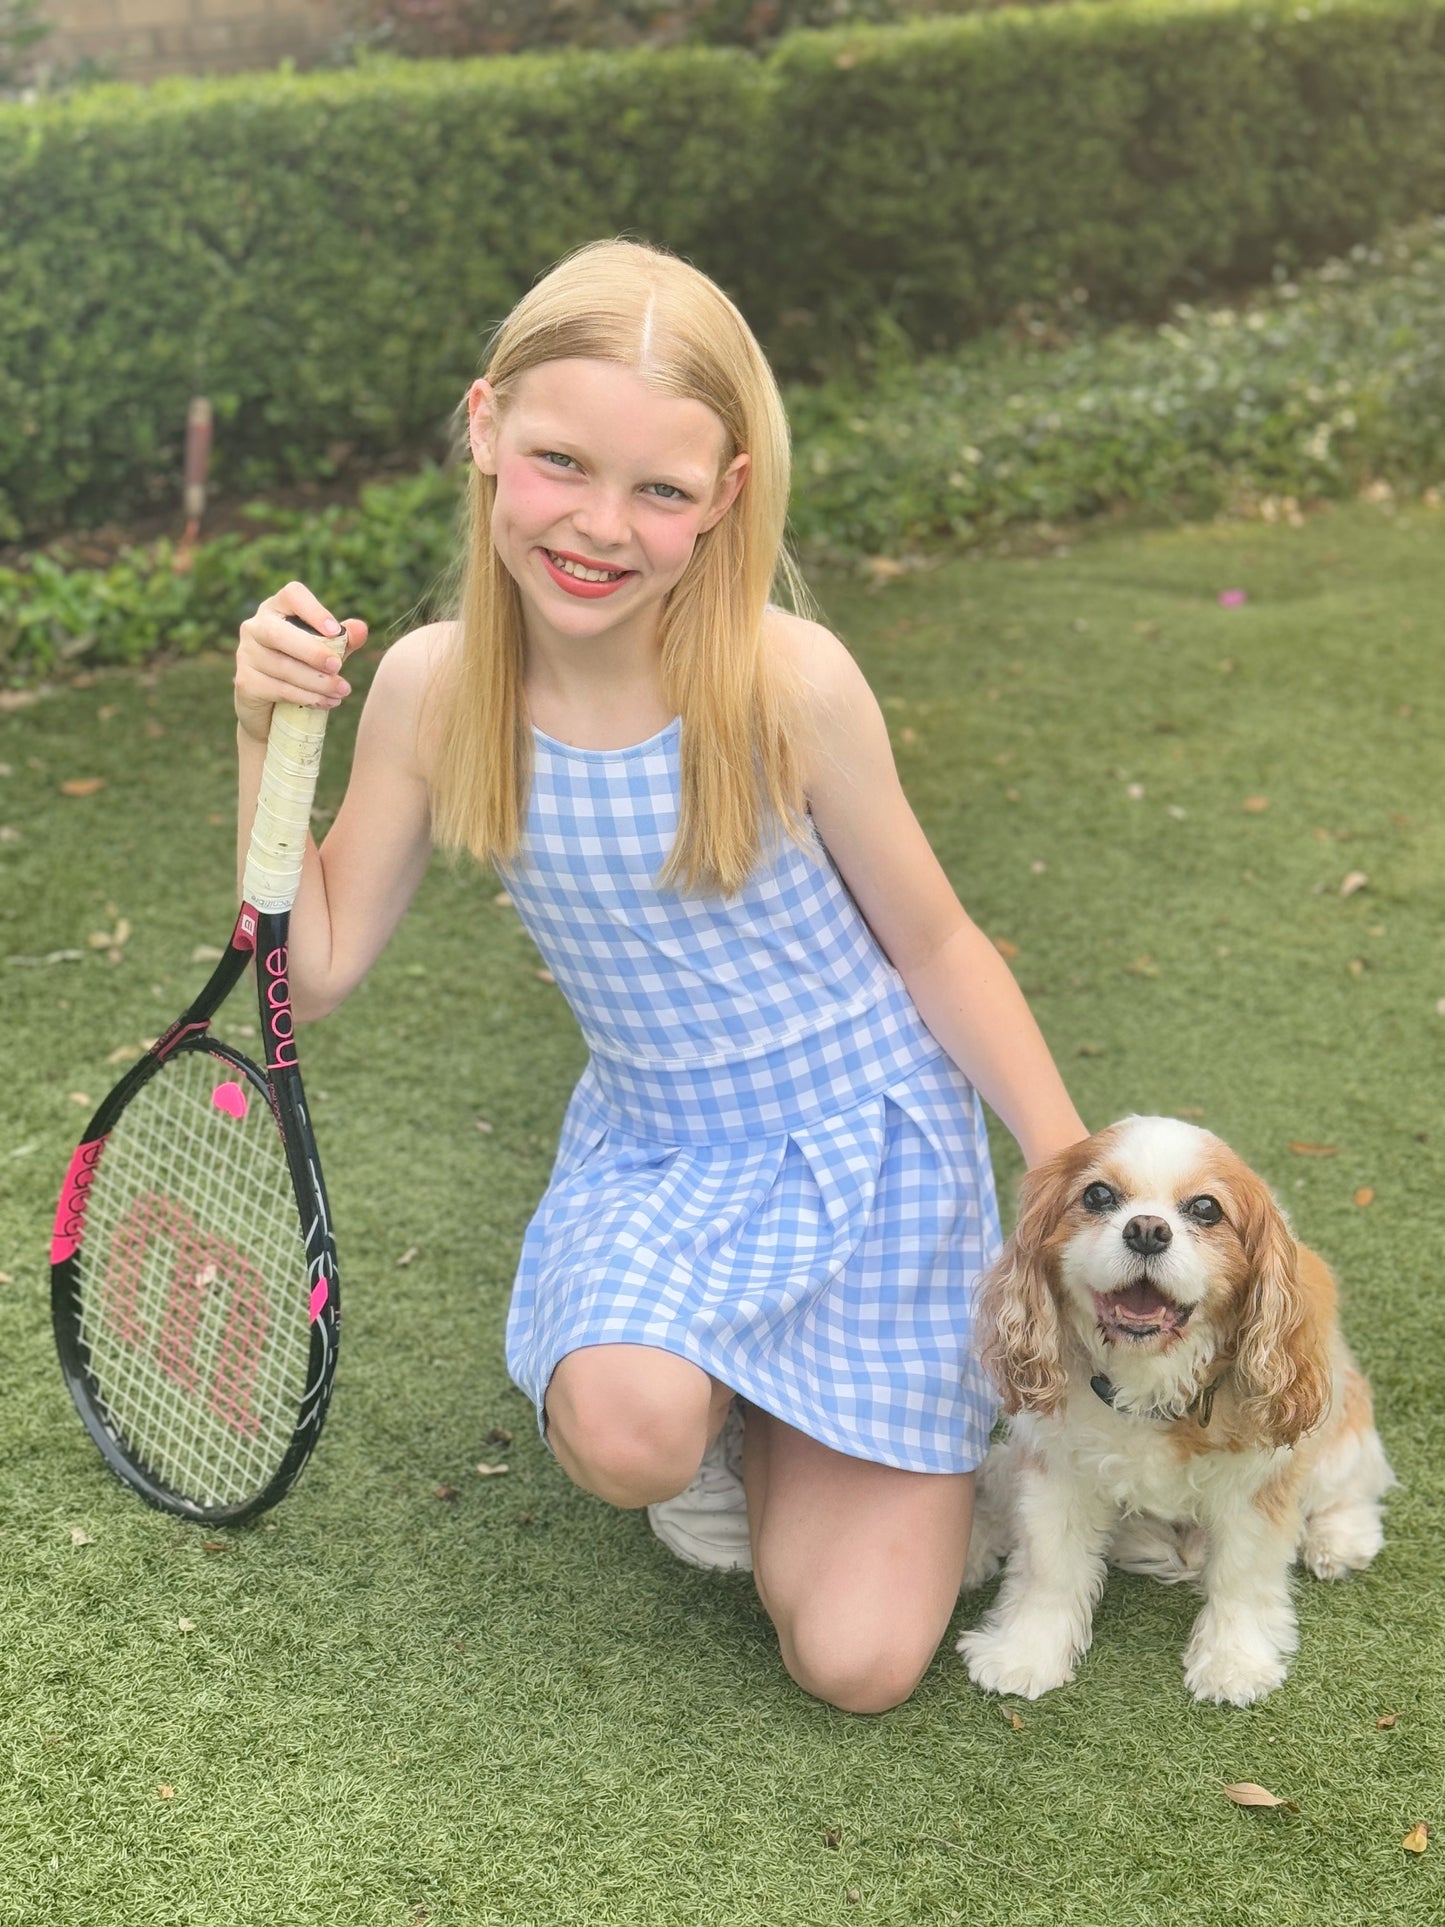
point(277, 662)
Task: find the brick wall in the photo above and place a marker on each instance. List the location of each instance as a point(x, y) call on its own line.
point(143, 39)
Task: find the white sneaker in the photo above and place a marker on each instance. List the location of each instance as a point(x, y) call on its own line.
point(707, 1525)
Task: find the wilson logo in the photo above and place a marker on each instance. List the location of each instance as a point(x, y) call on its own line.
point(201, 1264)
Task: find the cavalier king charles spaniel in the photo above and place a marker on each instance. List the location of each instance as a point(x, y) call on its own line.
point(1183, 1404)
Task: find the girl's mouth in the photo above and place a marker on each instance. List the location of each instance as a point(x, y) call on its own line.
point(582, 578)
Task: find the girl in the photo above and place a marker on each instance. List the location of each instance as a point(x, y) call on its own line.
point(773, 1182)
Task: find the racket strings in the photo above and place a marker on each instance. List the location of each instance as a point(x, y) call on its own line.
point(193, 1283)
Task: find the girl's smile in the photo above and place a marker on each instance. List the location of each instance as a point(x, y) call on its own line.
point(580, 577)
point(604, 484)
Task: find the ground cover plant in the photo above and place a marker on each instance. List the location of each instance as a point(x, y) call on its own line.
point(1190, 779)
point(1309, 390)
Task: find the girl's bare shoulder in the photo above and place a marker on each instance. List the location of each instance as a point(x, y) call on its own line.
point(818, 661)
point(413, 667)
point(412, 662)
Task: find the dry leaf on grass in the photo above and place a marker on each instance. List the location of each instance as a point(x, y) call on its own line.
point(50, 957)
point(833, 1838)
point(80, 1537)
point(82, 785)
point(406, 1257)
point(1365, 1195)
point(499, 1435)
point(492, 1471)
point(447, 1493)
point(1386, 1720)
point(165, 1793)
point(1417, 1839)
point(1353, 883)
point(1256, 805)
point(1141, 967)
point(1314, 1150)
point(1247, 1793)
point(1004, 948)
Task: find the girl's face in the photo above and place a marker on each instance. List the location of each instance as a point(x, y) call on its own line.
point(603, 487)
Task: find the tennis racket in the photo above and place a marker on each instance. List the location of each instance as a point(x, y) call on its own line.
point(193, 1272)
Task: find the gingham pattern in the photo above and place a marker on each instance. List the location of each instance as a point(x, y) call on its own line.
point(768, 1167)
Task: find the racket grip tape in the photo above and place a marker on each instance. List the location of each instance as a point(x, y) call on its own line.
point(283, 807)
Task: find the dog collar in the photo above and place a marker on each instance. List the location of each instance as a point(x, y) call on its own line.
point(1201, 1406)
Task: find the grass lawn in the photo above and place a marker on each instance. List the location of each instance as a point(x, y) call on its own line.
point(510, 1708)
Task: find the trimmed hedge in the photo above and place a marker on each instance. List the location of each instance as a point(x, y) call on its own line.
point(323, 254)
point(1127, 155)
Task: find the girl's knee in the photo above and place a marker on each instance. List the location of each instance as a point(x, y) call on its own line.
point(857, 1667)
point(631, 1443)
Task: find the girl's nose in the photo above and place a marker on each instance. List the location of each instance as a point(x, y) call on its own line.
point(602, 518)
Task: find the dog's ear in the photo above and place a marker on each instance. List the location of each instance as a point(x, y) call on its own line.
point(1282, 1359)
point(1018, 1306)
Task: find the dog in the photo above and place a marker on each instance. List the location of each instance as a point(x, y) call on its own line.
point(1182, 1404)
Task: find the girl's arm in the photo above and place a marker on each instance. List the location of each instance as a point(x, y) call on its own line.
point(357, 884)
point(962, 987)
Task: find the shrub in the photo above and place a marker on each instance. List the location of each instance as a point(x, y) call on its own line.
point(323, 254)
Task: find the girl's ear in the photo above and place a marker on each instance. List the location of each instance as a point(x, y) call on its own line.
point(482, 425)
point(728, 487)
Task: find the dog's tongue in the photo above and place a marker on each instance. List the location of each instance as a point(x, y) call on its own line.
point(1138, 1304)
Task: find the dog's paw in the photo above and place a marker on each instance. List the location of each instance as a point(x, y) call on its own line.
point(982, 1563)
point(1233, 1672)
point(1158, 1548)
point(1341, 1541)
point(1015, 1660)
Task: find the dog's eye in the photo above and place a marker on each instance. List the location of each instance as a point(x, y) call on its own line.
point(1098, 1197)
point(1204, 1210)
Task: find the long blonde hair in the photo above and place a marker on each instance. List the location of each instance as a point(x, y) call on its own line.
point(623, 302)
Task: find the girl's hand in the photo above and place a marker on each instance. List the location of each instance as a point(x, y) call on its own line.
point(277, 662)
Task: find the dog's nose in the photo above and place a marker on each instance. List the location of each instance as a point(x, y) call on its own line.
point(1147, 1236)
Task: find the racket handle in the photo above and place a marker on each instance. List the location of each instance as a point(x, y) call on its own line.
point(283, 808)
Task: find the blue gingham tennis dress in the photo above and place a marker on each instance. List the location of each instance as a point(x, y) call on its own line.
point(768, 1167)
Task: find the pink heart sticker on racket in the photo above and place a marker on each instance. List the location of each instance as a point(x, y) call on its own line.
point(229, 1098)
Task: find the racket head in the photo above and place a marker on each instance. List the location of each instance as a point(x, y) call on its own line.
point(193, 1282)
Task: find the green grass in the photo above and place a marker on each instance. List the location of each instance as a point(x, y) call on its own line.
point(513, 1707)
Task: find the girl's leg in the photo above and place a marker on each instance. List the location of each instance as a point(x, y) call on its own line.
point(858, 1565)
point(630, 1423)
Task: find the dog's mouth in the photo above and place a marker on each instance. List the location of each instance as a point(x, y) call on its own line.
point(1140, 1310)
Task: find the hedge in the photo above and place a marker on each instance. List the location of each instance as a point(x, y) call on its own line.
point(323, 254)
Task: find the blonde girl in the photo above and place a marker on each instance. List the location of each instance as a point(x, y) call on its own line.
point(745, 1299)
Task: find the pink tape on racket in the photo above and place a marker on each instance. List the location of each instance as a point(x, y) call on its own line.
point(229, 1098)
point(319, 1295)
point(74, 1196)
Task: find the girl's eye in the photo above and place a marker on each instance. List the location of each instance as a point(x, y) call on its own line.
point(1205, 1210)
point(668, 492)
point(1098, 1197)
point(557, 461)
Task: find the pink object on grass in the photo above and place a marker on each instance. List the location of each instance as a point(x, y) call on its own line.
point(1232, 598)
